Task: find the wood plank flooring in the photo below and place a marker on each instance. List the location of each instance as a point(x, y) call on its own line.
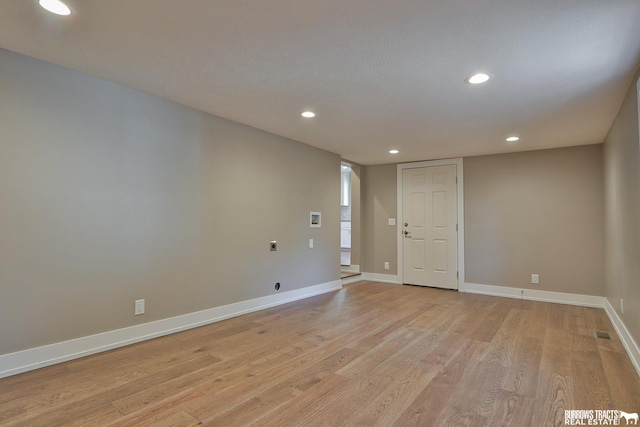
point(371, 354)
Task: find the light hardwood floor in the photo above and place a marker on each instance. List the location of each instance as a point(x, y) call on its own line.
point(370, 354)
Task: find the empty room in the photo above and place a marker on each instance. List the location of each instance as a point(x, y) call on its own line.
point(243, 213)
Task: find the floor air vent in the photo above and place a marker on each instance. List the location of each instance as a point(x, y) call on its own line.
point(604, 335)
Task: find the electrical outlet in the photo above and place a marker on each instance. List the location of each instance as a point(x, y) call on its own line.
point(139, 307)
point(310, 243)
point(386, 265)
point(535, 279)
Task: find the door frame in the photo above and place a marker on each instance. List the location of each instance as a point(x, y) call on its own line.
point(460, 193)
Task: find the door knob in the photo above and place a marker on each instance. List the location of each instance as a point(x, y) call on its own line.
point(406, 232)
point(406, 224)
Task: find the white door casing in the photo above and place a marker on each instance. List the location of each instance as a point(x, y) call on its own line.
point(431, 244)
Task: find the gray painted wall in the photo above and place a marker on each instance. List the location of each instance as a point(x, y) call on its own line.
point(536, 212)
point(109, 195)
point(378, 187)
point(622, 207)
point(530, 212)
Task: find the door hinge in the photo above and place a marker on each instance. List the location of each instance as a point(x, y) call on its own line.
point(456, 227)
point(457, 274)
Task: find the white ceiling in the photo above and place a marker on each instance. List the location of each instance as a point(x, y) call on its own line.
point(380, 74)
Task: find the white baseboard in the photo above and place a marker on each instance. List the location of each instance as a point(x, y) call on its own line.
point(39, 357)
point(629, 343)
point(534, 295)
point(353, 268)
point(384, 278)
point(352, 279)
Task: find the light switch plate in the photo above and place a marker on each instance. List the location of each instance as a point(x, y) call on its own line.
point(139, 307)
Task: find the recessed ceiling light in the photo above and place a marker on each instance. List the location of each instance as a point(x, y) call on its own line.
point(513, 139)
point(55, 6)
point(308, 114)
point(476, 79)
point(393, 151)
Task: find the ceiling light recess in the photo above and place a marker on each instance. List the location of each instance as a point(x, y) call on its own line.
point(308, 114)
point(394, 151)
point(477, 79)
point(55, 6)
point(513, 139)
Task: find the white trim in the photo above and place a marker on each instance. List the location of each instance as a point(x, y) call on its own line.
point(394, 279)
point(352, 279)
point(627, 340)
point(34, 358)
point(353, 268)
point(535, 295)
point(460, 190)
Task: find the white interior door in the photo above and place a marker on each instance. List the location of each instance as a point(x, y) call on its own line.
point(429, 226)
